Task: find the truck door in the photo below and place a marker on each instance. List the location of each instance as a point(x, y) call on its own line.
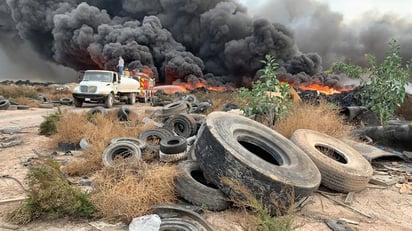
point(116, 81)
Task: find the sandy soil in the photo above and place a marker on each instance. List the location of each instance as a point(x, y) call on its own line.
point(383, 208)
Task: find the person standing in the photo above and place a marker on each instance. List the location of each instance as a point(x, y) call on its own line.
point(120, 65)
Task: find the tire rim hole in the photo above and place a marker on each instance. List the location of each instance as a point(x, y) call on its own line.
point(199, 177)
point(153, 140)
point(122, 153)
point(331, 153)
point(180, 128)
point(260, 152)
point(172, 142)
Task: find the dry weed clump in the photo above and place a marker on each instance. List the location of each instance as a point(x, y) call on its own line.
point(322, 117)
point(27, 101)
point(127, 190)
point(15, 91)
point(98, 130)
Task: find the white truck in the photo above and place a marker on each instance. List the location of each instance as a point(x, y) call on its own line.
point(100, 86)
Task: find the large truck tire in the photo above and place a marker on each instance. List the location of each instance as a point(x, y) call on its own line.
point(236, 152)
point(193, 187)
point(131, 99)
point(342, 168)
point(77, 102)
point(108, 103)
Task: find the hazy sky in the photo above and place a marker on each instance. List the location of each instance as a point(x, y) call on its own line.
point(352, 9)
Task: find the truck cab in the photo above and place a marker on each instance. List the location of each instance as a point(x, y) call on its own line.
point(101, 86)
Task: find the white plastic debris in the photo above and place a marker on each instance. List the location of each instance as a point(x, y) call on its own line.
point(145, 223)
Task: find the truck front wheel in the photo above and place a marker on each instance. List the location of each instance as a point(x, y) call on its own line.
point(77, 102)
point(109, 101)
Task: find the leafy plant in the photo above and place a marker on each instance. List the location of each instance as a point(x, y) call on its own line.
point(48, 126)
point(268, 97)
point(383, 91)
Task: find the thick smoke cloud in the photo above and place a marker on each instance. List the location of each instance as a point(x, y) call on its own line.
point(318, 29)
point(177, 39)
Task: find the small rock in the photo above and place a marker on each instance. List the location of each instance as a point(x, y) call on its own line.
point(11, 130)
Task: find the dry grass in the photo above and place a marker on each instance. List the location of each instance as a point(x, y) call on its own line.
point(98, 130)
point(322, 117)
point(124, 191)
point(218, 99)
point(14, 91)
point(27, 101)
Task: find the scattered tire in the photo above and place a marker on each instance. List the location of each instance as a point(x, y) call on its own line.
point(22, 107)
point(182, 124)
point(121, 150)
point(175, 108)
point(173, 144)
point(66, 101)
point(182, 224)
point(152, 137)
point(140, 143)
point(43, 98)
point(234, 148)
point(12, 107)
point(190, 98)
point(193, 187)
point(172, 157)
point(84, 144)
point(46, 105)
point(123, 113)
point(98, 110)
point(4, 104)
point(342, 168)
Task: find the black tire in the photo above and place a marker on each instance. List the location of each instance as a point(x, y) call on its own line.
point(269, 166)
point(77, 102)
point(175, 108)
point(98, 110)
point(140, 143)
point(109, 101)
point(131, 99)
point(182, 124)
point(193, 187)
point(173, 144)
point(153, 137)
point(46, 105)
point(22, 107)
point(121, 149)
point(200, 118)
point(66, 101)
point(43, 98)
point(179, 224)
point(190, 98)
point(4, 104)
point(123, 113)
point(342, 168)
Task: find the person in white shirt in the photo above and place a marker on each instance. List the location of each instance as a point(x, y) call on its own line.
point(120, 65)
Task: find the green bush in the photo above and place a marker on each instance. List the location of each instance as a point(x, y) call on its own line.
point(48, 126)
point(383, 91)
point(268, 98)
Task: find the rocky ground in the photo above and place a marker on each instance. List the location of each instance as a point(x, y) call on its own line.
point(375, 208)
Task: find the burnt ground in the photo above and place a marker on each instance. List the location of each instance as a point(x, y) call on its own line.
point(375, 208)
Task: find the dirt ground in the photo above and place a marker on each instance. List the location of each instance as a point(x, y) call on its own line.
point(375, 208)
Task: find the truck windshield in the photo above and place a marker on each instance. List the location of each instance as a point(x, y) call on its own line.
point(97, 76)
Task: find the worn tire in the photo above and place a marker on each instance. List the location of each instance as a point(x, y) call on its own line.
point(22, 107)
point(173, 144)
point(271, 167)
point(193, 187)
point(109, 101)
point(182, 124)
point(153, 137)
point(175, 108)
point(123, 113)
point(4, 104)
point(98, 110)
point(140, 143)
point(46, 105)
point(121, 149)
point(345, 171)
point(179, 224)
point(43, 98)
point(66, 101)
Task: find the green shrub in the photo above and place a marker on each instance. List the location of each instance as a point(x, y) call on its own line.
point(48, 126)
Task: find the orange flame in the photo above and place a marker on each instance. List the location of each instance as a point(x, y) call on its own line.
point(322, 88)
point(201, 84)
